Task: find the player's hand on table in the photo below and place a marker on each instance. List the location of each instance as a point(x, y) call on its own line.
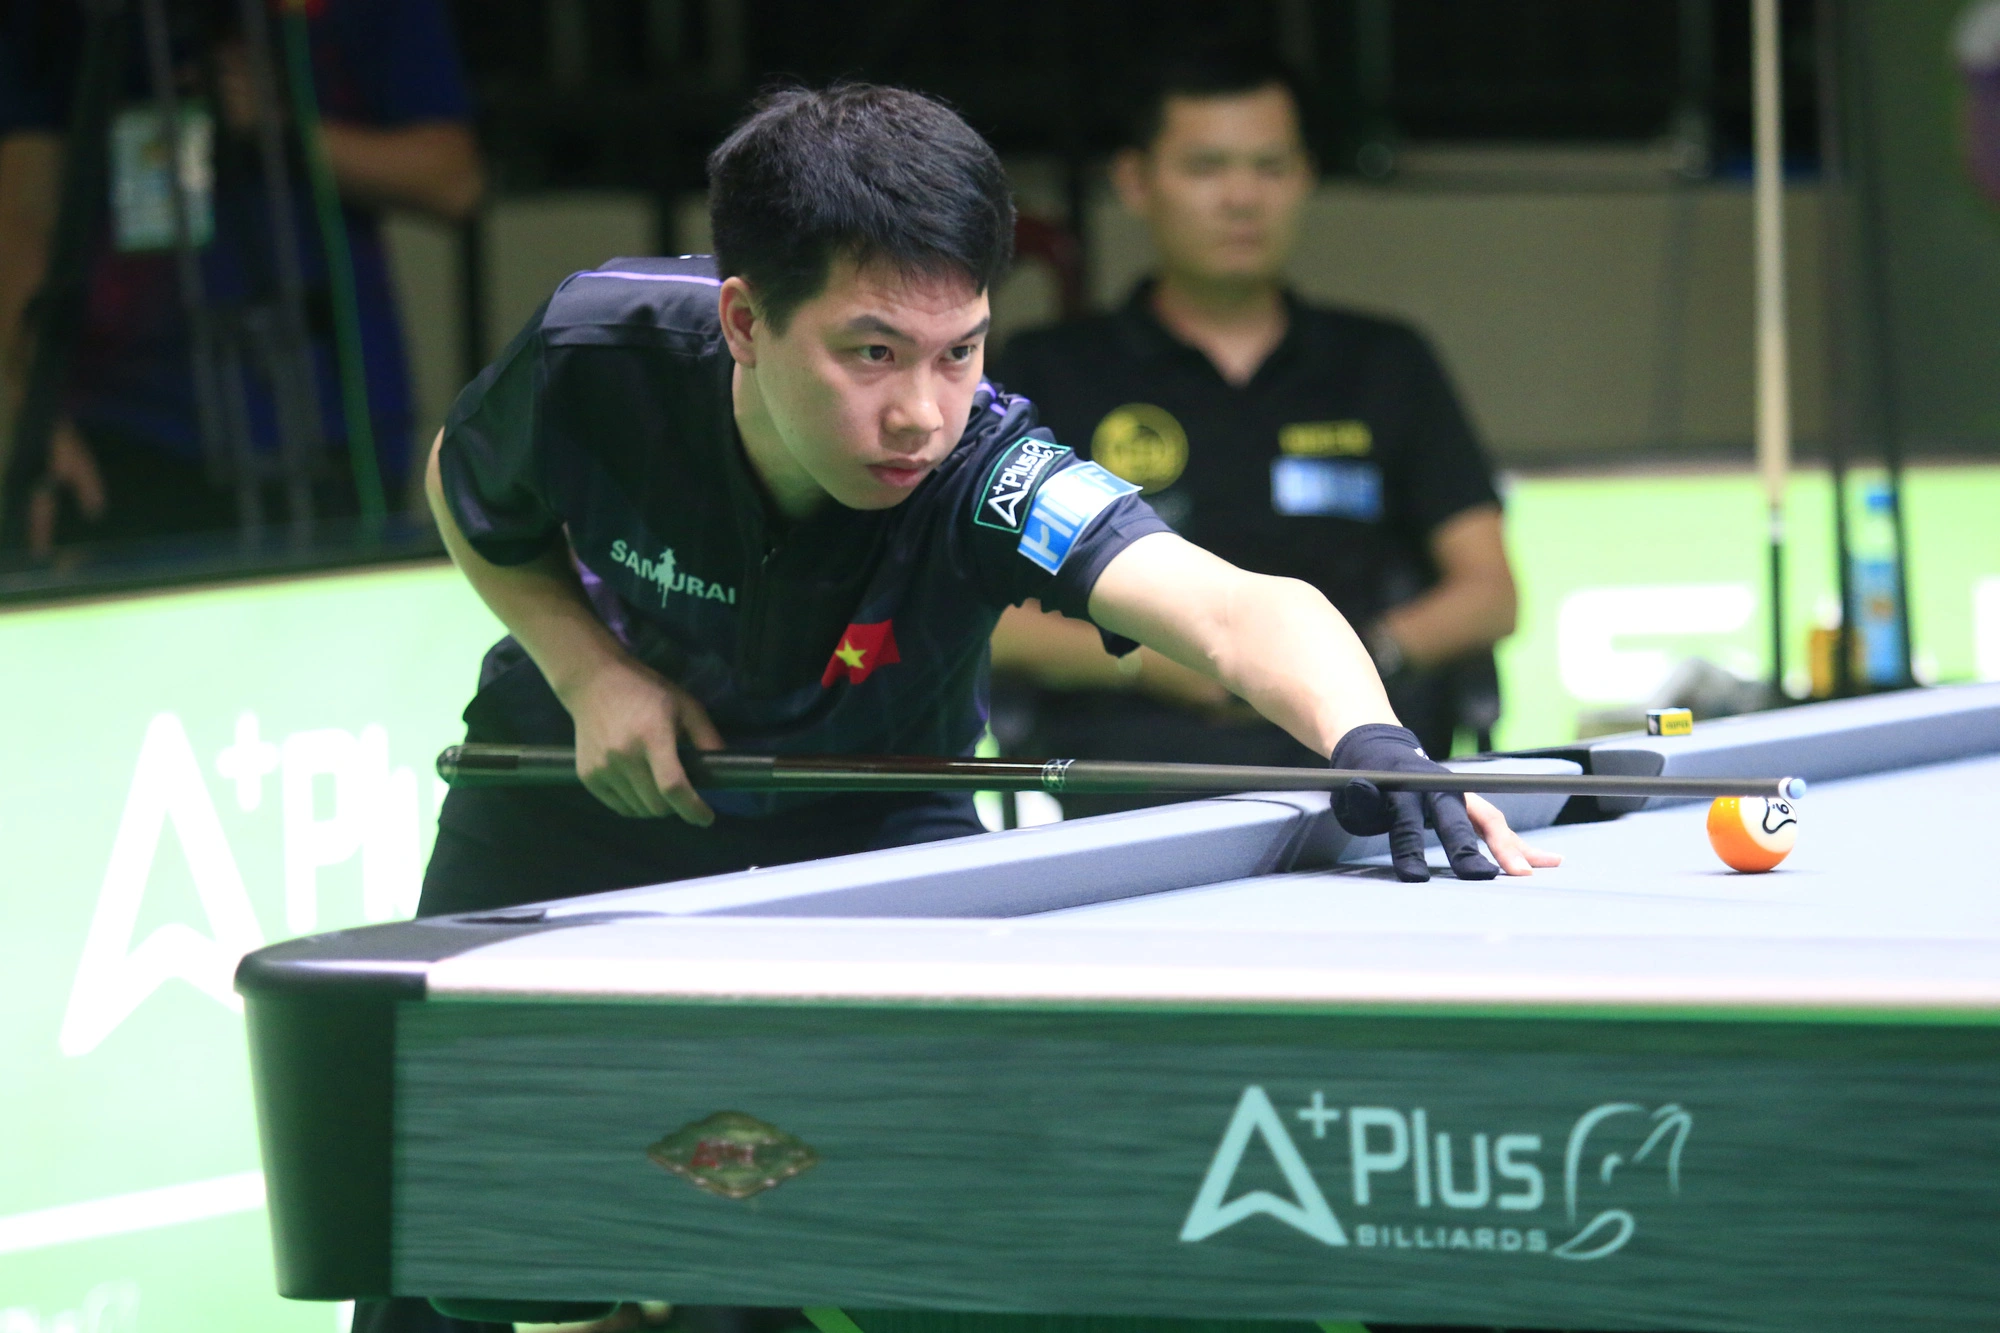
point(1515, 856)
point(630, 721)
point(626, 1318)
point(1365, 810)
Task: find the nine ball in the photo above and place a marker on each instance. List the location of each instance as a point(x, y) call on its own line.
point(1752, 833)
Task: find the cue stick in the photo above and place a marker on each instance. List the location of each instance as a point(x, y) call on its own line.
point(1774, 403)
point(474, 765)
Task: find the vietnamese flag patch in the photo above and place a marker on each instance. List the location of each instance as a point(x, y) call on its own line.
point(862, 648)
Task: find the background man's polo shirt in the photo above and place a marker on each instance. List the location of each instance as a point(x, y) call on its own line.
point(1334, 464)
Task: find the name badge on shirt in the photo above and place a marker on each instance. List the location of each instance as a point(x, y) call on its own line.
point(1326, 488)
point(144, 161)
point(1064, 507)
point(1326, 439)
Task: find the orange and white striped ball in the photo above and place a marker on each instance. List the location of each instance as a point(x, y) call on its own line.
point(1752, 833)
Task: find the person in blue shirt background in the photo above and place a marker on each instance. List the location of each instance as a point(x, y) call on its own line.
point(126, 458)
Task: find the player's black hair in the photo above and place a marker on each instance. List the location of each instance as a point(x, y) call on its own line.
point(873, 173)
point(1229, 71)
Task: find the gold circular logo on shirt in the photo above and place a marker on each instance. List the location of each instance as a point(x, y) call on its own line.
point(1143, 444)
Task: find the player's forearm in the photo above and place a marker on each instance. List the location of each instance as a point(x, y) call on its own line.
point(1290, 655)
point(431, 168)
point(1278, 644)
point(1457, 617)
point(541, 603)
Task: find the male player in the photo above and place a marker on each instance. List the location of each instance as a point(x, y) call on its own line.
point(768, 501)
point(1287, 438)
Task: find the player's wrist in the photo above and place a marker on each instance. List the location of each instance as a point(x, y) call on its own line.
point(587, 669)
point(1375, 740)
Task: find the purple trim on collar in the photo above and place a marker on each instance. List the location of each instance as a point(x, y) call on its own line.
point(651, 277)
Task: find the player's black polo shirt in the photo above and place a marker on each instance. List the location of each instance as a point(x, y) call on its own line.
point(608, 420)
point(1332, 465)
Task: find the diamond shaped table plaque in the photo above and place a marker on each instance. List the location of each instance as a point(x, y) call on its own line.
point(733, 1154)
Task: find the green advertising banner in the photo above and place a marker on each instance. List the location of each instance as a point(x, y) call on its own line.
point(189, 774)
point(1623, 577)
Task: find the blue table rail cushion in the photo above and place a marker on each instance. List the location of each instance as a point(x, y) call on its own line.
point(1207, 1062)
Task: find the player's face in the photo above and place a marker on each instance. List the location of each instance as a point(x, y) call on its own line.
point(1222, 186)
point(869, 386)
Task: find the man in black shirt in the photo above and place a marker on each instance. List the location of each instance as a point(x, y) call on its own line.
point(769, 500)
point(1293, 440)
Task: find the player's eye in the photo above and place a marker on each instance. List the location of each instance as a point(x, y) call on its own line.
point(875, 354)
point(961, 353)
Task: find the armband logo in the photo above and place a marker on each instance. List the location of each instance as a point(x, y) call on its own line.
point(1003, 500)
point(1064, 506)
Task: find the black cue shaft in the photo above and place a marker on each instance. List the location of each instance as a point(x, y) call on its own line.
point(475, 765)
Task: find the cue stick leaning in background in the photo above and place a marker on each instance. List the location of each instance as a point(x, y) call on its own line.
point(1774, 400)
point(475, 765)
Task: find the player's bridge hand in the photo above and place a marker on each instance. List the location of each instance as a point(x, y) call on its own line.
point(630, 722)
point(1365, 810)
point(1515, 856)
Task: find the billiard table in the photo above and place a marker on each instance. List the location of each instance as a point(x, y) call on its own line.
point(1209, 1061)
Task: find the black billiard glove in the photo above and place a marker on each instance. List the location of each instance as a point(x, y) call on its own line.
point(1365, 810)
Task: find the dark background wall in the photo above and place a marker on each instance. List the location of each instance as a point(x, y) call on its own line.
point(1556, 189)
point(632, 93)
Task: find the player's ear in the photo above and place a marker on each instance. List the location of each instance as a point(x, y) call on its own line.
point(1131, 179)
point(741, 321)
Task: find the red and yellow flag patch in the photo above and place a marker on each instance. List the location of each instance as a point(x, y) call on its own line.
point(862, 649)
